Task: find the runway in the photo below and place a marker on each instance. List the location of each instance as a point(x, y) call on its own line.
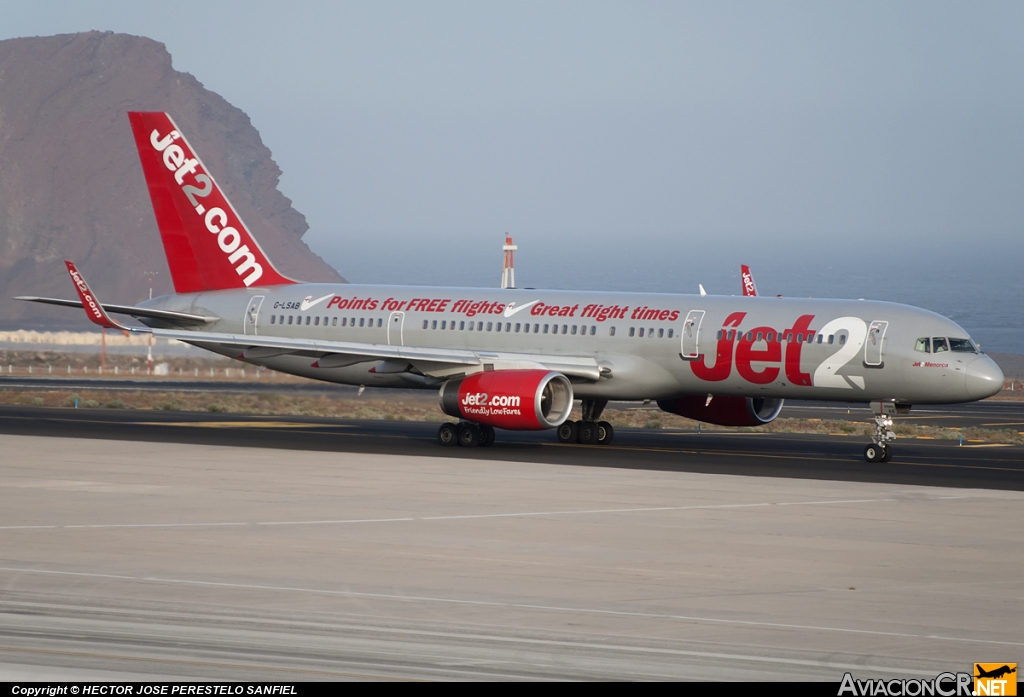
point(915, 462)
point(166, 545)
point(127, 559)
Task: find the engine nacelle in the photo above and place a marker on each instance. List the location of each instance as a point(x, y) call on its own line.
point(519, 400)
point(725, 411)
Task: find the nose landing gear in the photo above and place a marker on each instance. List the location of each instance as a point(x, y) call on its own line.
point(878, 451)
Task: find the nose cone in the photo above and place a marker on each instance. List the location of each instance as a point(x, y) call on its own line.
point(984, 378)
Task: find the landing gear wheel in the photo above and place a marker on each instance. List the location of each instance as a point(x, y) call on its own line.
point(487, 435)
point(567, 432)
point(605, 433)
point(448, 435)
point(888, 454)
point(469, 435)
point(588, 433)
point(874, 453)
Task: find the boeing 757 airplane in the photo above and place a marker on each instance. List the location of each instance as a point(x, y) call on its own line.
point(519, 358)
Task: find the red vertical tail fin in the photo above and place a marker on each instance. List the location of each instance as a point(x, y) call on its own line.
point(748, 281)
point(208, 246)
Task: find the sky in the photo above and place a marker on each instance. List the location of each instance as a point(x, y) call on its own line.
point(630, 145)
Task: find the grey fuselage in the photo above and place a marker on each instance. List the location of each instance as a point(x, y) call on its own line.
point(650, 346)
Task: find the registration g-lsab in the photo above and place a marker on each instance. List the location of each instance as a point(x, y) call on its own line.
point(518, 359)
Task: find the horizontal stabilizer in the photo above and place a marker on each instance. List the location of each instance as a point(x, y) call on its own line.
point(183, 318)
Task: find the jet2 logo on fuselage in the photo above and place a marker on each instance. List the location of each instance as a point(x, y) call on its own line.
point(733, 347)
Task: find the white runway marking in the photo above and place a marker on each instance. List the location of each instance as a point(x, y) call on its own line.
point(518, 606)
point(471, 516)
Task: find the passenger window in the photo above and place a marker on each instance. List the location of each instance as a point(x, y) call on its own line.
point(380, 321)
point(497, 326)
point(650, 333)
point(545, 328)
point(831, 338)
point(661, 333)
point(759, 336)
point(326, 319)
point(433, 324)
point(462, 325)
point(508, 326)
point(820, 337)
point(641, 331)
point(526, 328)
point(479, 326)
point(732, 335)
point(334, 322)
point(750, 336)
point(939, 344)
point(424, 324)
point(352, 321)
point(273, 318)
point(490, 326)
point(611, 331)
point(362, 321)
point(671, 332)
point(289, 319)
point(719, 334)
point(518, 327)
point(593, 331)
point(444, 324)
point(471, 324)
point(771, 337)
point(308, 319)
point(842, 339)
point(800, 338)
point(632, 331)
point(574, 329)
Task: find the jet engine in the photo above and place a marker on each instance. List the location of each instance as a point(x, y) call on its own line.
point(724, 411)
point(518, 400)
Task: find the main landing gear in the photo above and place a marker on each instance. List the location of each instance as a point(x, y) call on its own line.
point(588, 431)
point(878, 451)
point(466, 434)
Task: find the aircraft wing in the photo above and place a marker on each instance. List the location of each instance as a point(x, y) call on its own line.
point(431, 361)
point(177, 318)
point(434, 362)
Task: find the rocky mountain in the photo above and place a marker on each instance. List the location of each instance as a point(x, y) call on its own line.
point(71, 186)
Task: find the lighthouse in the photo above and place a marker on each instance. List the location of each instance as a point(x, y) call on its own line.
point(508, 273)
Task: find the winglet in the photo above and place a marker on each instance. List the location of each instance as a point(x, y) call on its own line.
point(93, 310)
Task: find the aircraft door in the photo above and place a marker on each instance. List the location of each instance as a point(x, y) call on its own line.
point(396, 323)
point(250, 323)
point(873, 354)
point(689, 336)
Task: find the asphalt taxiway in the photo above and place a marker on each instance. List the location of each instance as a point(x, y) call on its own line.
point(128, 559)
point(915, 461)
point(171, 545)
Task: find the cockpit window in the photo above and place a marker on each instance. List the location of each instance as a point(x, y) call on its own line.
point(962, 345)
point(924, 345)
point(939, 344)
